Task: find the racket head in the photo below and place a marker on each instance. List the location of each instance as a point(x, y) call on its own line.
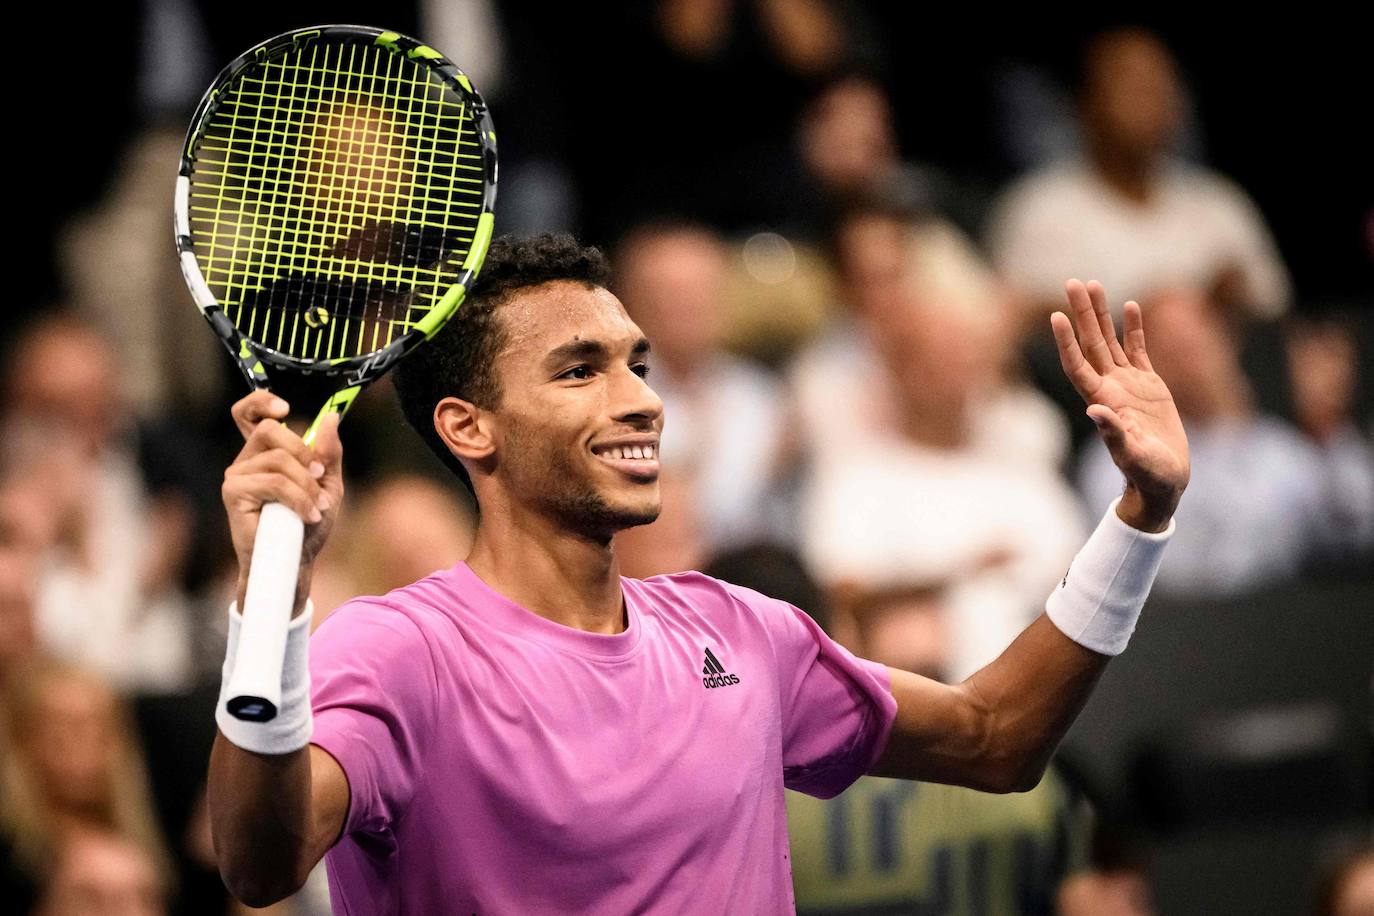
point(334, 202)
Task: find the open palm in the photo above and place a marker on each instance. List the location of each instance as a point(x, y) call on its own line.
point(1128, 401)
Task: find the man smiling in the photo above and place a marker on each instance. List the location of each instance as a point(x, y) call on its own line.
point(530, 732)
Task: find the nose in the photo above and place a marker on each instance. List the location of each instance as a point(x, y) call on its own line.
point(632, 398)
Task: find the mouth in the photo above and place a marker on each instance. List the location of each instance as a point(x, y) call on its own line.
point(638, 460)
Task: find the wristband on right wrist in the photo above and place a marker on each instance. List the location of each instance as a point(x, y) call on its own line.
point(1099, 600)
point(290, 730)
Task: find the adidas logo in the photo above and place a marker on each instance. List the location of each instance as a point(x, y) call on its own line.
point(715, 673)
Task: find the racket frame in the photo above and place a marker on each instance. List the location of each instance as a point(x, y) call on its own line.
point(256, 359)
point(253, 692)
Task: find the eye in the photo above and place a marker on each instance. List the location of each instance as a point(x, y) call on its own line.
point(640, 369)
point(581, 373)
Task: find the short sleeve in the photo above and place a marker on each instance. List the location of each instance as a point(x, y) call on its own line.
point(836, 709)
point(373, 696)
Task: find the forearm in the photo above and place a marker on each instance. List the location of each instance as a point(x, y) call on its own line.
point(260, 780)
point(1031, 694)
point(260, 820)
point(997, 730)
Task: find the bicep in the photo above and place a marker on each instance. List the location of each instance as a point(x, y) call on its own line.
point(940, 734)
point(329, 800)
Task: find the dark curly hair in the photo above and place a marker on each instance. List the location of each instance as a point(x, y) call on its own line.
point(461, 359)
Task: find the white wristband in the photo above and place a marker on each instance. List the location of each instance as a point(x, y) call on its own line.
point(1099, 600)
point(290, 730)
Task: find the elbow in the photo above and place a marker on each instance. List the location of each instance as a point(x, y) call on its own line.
point(256, 890)
point(1017, 775)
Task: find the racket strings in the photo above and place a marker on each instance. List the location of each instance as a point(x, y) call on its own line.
point(333, 194)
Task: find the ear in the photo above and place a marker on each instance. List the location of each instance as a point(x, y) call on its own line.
point(465, 428)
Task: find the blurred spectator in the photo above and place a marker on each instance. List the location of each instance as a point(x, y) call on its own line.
point(724, 417)
point(848, 149)
point(1264, 502)
point(1131, 215)
point(887, 260)
point(929, 508)
point(1323, 363)
point(115, 263)
point(711, 142)
point(114, 549)
point(1106, 893)
point(1348, 888)
point(100, 873)
point(393, 533)
point(70, 761)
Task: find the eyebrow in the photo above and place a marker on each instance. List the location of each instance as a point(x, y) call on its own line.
point(588, 350)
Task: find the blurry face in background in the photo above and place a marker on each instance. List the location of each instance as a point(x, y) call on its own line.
point(99, 874)
point(414, 527)
point(847, 138)
point(672, 283)
point(67, 375)
point(936, 336)
point(1132, 98)
point(72, 741)
point(567, 408)
point(872, 251)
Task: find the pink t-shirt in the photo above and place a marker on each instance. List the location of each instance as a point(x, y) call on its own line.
point(499, 762)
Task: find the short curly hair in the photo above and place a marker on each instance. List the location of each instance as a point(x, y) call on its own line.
point(461, 359)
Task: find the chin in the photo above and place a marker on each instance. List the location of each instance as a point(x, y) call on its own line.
point(602, 515)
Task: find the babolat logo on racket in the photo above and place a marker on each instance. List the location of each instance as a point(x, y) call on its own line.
point(715, 673)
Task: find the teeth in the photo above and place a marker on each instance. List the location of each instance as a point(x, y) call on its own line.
point(623, 452)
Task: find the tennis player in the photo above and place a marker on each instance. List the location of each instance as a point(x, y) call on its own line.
point(528, 732)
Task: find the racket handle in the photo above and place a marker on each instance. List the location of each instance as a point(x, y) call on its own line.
point(254, 693)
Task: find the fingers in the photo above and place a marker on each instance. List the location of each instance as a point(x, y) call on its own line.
point(275, 476)
point(1079, 371)
point(1094, 345)
point(328, 449)
point(1104, 322)
point(250, 492)
point(1135, 338)
point(260, 405)
point(270, 435)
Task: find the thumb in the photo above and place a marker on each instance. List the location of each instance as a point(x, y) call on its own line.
point(328, 448)
point(1109, 424)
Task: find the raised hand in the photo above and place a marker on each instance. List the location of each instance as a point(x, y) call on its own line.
point(1130, 404)
point(276, 466)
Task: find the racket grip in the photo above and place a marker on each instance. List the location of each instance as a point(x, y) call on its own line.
point(254, 693)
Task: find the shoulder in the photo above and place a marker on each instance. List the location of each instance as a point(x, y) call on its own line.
point(1201, 184)
point(1044, 187)
point(380, 628)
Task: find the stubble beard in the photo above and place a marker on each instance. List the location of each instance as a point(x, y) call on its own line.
point(561, 486)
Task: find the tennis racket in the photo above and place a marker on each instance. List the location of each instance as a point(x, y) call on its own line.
point(333, 207)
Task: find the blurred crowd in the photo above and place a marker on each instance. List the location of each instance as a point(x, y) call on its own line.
point(865, 414)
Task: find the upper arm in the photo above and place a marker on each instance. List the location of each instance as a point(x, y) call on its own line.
point(329, 798)
point(941, 733)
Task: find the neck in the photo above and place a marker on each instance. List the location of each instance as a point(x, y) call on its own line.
point(572, 579)
point(936, 427)
point(1130, 175)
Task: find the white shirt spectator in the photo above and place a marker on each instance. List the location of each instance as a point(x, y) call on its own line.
point(888, 513)
point(725, 432)
point(1263, 502)
point(1065, 221)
